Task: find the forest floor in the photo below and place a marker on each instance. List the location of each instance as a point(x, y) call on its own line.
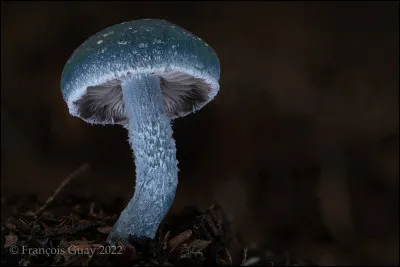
point(73, 231)
point(68, 230)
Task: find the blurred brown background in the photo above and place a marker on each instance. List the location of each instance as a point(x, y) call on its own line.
point(300, 146)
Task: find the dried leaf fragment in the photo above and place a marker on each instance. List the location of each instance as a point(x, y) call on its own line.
point(10, 240)
point(179, 239)
point(104, 229)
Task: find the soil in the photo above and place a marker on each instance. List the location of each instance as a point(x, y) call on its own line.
point(73, 231)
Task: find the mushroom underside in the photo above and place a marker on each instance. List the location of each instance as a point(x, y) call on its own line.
point(182, 93)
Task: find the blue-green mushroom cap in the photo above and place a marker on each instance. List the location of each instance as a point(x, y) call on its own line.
point(188, 68)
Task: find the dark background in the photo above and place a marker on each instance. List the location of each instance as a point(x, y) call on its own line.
point(300, 146)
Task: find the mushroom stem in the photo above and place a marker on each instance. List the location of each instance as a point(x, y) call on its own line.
point(150, 136)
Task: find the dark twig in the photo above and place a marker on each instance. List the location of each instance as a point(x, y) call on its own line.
point(76, 173)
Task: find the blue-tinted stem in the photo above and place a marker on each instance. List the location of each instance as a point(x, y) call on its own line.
point(150, 136)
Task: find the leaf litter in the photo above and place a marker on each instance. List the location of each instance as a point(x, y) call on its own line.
point(69, 230)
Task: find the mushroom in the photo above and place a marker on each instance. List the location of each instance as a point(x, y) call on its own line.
point(142, 74)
